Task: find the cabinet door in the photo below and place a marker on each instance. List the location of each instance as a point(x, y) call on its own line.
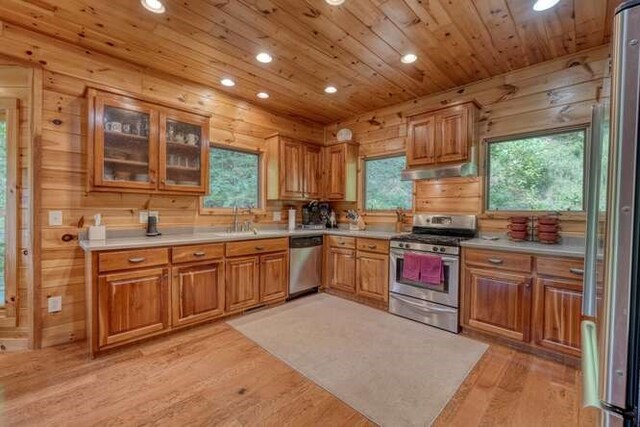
point(335, 180)
point(499, 303)
point(125, 143)
point(452, 139)
point(184, 152)
point(342, 269)
point(312, 172)
point(372, 276)
point(291, 169)
point(421, 140)
point(243, 282)
point(558, 307)
point(274, 274)
point(132, 305)
point(198, 292)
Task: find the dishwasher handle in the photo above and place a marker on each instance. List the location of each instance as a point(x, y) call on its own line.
point(305, 242)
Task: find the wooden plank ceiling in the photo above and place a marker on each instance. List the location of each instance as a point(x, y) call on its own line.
point(355, 47)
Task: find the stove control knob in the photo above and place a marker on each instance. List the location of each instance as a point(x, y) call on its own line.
point(442, 249)
point(406, 245)
point(434, 249)
point(401, 245)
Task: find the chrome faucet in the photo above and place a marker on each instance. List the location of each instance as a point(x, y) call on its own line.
point(236, 221)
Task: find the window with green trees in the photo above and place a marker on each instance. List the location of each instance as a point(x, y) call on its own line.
point(542, 172)
point(383, 188)
point(234, 179)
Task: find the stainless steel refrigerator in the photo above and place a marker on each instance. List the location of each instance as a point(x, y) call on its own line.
point(611, 302)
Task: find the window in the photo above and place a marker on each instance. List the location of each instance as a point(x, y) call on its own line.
point(542, 172)
point(234, 179)
point(383, 189)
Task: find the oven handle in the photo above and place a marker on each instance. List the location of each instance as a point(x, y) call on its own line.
point(399, 254)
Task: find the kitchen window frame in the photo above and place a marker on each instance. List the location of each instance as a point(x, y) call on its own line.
point(486, 164)
point(262, 170)
point(362, 202)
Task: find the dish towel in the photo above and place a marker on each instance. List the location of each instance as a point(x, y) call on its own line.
point(431, 269)
point(411, 266)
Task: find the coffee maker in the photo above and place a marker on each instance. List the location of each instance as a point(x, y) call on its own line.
point(315, 215)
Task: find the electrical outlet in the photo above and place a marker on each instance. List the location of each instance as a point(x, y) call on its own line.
point(156, 214)
point(143, 217)
point(55, 218)
point(54, 304)
point(277, 216)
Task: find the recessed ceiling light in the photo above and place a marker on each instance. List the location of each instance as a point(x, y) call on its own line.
point(227, 82)
point(541, 5)
point(154, 6)
point(262, 95)
point(264, 57)
point(330, 89)
point(335, 2)
point(409, 58)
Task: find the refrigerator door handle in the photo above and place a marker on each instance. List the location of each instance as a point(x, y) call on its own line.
point(590, 387)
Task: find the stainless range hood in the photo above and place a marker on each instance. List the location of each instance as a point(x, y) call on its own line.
point(469, 168)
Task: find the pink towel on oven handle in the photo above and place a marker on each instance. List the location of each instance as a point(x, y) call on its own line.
point(431, 269)
point(411, 266)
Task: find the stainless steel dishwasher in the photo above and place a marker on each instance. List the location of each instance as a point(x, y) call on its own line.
point(305, 265)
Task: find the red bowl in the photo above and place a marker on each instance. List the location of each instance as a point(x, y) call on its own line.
point(519, 219)
point(518, 227)
point(548, 220)
point(548, 237)
point(518, 235)
point(547, 228)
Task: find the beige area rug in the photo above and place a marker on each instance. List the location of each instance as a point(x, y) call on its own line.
point(394, 371)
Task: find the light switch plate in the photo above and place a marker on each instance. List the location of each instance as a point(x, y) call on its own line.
point(55, 218)
point(143, 216)
point(277, 216)
point(54, 304)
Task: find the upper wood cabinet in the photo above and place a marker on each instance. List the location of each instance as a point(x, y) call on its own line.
point(442, 136)
point(341, 162)
point(294, 169)
point(138, 146)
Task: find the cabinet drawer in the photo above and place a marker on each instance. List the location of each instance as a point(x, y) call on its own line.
point(126, 260)
point(342, 242)
point(196, 253)
point(569, 268)
point(257, 246)
point(499, 260)
point(373, 245)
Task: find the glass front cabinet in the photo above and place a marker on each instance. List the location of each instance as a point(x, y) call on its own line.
point(138, 146)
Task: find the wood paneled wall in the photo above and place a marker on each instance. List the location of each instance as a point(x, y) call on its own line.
point(67, 72)
point(16, 82)
point(553, 94)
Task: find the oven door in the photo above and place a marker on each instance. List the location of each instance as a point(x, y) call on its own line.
point(445, 293)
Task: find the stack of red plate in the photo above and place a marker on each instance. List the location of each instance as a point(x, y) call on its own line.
point(548, 229)
point(518, 228)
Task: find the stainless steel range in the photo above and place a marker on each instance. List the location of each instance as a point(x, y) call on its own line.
point(435, 304)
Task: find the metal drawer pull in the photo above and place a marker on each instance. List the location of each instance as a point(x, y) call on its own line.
point(372, 246)
point(342, 242)
point(496, 261)
point(577, 271)
point(199, 254)
point(259, 248)
point(136, 260)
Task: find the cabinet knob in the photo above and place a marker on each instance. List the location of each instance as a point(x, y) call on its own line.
point(199, 254)
point(576, 271)
point(136, 260)
point(259, 248)
point(372, 246)
point(342, 242)
point(496, 261)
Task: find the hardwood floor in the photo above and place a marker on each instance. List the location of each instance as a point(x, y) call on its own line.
point(213, 375)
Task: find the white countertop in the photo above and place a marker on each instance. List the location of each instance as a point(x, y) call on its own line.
point(136, 241)
point(569, 247)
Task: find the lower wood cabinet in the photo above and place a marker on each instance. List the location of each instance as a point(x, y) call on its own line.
point(535, 300)
point(198, 292)
point(558, 308)
point(274, 273)
point(132, 304)
point(243, 282)
point(372, 276)
point(342, 269)
point(499, 303)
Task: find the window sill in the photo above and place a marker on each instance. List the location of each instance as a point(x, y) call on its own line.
point(566, 215)
point(229, 211)
point(384, 213)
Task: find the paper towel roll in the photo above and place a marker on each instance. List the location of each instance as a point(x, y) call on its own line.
point(292, 219)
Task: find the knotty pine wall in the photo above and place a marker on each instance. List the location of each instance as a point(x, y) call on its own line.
point(16, 82)
point(67, 70)
point(550, 95)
